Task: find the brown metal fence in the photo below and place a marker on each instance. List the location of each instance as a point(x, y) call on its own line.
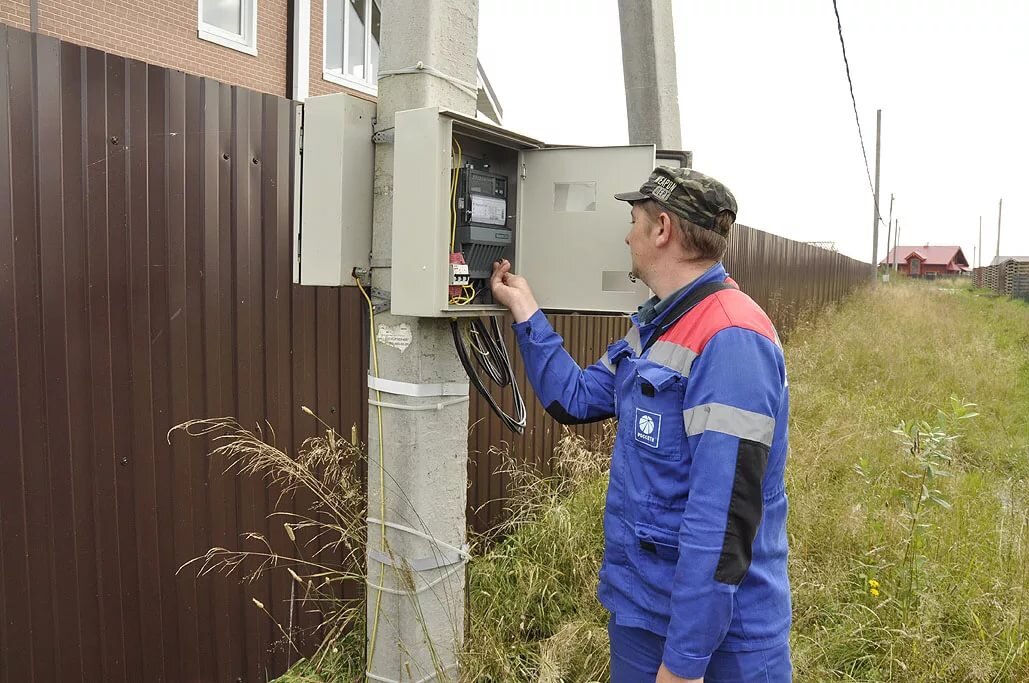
point(789, 278)
point(145, 279)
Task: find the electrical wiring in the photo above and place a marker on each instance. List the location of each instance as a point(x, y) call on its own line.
point(494, 360)
point(490, 354)
point(453, 197)
point(853, 100)
point(472, 342)
point(469, 296)
point(380, 587)
point(382, 478)
point(468, 292)
point(488, 349)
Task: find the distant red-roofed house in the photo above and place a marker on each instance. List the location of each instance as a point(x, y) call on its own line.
point(920, 261)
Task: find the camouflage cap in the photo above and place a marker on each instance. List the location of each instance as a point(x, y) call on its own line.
point(689, 194)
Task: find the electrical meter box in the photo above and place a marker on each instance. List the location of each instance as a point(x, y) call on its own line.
point(337, 163)
point(466, 193)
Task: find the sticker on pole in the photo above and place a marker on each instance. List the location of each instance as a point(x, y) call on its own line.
point(648, 428)
point(398, 337)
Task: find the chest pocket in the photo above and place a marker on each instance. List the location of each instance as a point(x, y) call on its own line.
point(657, 396)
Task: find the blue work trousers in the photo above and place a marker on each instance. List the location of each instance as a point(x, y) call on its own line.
point(636, 656)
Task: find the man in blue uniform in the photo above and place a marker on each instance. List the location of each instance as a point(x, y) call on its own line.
point(694, 571)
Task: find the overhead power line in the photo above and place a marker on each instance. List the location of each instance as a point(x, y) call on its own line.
point(857, 119)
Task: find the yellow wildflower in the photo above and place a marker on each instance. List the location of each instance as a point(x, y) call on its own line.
point(873, 583)
point(874, 592)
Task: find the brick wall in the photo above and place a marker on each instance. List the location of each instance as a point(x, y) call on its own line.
point(319, 86)
point(15, 13)
point(164, 33)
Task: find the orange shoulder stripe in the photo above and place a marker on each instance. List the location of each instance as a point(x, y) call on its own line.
point(724, 309)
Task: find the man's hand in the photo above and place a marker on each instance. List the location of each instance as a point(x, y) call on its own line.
point(512, 291)
point(666, 676)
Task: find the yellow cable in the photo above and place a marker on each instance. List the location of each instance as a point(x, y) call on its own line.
point(453, 199)
point(382, 478)
point(456, 300)
point(467, 298)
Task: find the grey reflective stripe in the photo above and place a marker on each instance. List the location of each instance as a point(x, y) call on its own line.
point(717, 417)
point(634, 339)
point(673, 356)
point(607, 363)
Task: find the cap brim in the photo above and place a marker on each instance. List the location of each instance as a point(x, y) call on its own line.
point(636, 196)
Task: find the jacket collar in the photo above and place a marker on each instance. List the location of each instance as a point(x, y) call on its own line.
point(715, 273)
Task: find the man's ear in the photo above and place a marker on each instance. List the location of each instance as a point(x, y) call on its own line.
point(663, 229)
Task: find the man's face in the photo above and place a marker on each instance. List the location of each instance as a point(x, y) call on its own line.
point(638, 240)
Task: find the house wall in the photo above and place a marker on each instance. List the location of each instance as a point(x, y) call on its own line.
point(164, 33)
point(903, 269)
point(319, 86)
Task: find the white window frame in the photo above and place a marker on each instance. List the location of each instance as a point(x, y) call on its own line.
point(340, 77)
point(245, 42)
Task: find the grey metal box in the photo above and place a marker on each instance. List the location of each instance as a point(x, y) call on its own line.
point(570, 241)
point(337, 171)
point(568, 230)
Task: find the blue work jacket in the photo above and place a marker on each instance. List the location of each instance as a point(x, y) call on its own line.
point(695, 520)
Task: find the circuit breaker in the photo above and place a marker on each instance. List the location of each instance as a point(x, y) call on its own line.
point(466, 193)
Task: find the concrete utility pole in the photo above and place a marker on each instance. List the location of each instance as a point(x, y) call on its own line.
point(896, 241)
point(889, 224)
point(980, 241)
point(648, 64)
point(413, 636)
point(875, 208)
point(1000, 208)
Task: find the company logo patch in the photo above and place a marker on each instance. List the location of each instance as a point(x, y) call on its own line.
point(648, 428)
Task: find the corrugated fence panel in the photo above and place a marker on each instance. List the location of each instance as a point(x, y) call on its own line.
point(145, 280)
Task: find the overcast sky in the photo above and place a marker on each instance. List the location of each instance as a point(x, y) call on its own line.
point(765, 106)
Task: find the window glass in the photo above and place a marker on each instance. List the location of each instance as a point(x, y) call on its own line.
point(352, 33)
point(575, 197)
point(334, 35)
point(373, 68)
point(355, 39)
point(224, 14)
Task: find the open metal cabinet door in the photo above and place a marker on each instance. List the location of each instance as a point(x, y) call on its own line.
point(571, 230)
point(337, 167)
